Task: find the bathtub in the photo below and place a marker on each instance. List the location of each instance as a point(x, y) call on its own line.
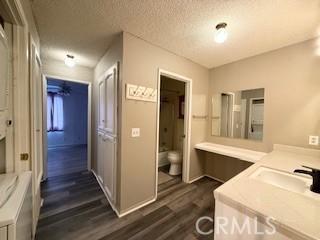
point(163, 157)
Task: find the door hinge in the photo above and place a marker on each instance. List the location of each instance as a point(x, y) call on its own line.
point(24, 156)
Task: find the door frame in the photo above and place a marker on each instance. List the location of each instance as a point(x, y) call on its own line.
point(89, 117)
point(187, 123)
point(36, 165)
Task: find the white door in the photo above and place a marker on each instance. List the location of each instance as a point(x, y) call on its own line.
point(102, 90)
point(111, 101)
point(109, 165)
point(110, 136)
point(36, 129)
point(100, 162)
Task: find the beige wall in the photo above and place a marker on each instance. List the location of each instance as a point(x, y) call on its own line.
point(59, 69)
point(290, 77)
point(141, 63)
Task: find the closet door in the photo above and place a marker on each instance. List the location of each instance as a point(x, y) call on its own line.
point(100, 161)
point(109, 166)
point(111, 101)
point(102, 115)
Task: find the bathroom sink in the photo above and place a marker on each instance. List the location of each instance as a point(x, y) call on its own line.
point(290, 182)
point(8, 183)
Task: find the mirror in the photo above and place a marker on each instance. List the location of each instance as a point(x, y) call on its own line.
point(238, 114)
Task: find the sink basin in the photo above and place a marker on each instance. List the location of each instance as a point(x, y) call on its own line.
point(284, 180)
point(8, 183)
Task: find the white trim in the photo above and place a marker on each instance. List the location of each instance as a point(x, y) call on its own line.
point(136, 208)
point(187, 124)
point(89, 136)
point(232, 112)
point(120, 215)
point(44, 127)
point(36, 163)
point(105, 193)
point(196, 179)
point(214, 178)
point(206, 175)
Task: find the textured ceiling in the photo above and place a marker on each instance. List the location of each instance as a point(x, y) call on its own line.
point(86, 28)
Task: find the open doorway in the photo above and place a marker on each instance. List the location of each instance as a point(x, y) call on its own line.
point(67, 121)
point(173, 138)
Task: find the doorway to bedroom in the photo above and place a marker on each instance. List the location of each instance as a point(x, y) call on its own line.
point(67, 127)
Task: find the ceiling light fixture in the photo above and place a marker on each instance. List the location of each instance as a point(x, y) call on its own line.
point(221, 34)
point(69, 61)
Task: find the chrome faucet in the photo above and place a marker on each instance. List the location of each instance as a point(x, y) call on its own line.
point(315, 174)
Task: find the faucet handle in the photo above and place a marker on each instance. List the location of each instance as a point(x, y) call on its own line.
point(311, 168)
point(315, 174)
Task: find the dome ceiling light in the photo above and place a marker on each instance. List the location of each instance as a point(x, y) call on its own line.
point(69, 61)
point(221, 33)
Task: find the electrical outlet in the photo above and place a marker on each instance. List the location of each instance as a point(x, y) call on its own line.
point(314, 140)
point(135, 132)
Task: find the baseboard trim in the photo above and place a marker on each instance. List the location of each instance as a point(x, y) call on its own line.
point(214, 178)
point(105, 193)
point(112, 205)
point(206, 175)
point(138, 207)
point(196, 179)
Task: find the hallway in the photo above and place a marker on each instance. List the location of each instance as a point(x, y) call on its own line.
point(66, 160)
point(75, 208)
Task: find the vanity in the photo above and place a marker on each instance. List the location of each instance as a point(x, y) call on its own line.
point(270, 200)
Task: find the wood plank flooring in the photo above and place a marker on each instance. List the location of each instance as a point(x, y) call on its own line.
point(66, 160)
point(75, 208)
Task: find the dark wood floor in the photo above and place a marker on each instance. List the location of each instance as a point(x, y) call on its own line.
point(75, 208)
point(66, 160)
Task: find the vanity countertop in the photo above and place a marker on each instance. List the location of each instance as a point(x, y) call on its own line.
point(293, 212)
point(10, 210)
point(239, 153)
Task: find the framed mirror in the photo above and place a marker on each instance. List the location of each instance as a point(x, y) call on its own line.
point(238, 114)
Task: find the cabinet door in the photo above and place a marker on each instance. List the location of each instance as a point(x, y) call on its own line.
point(101, 106)
point(111, 100)
point(4, 65)
point(100, 162)
point(109, 165)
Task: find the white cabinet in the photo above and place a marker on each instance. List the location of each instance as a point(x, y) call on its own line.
point(100, 160)
point(101, 123)
point(108, 101)
point(16, 213)
point(109, 166)
point(107, 132)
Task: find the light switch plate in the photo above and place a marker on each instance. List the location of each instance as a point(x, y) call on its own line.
point(135, 132)
point(314, 140)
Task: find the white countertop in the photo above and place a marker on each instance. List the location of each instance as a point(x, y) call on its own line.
point(239, 153)
point(292, 212)
point(9, 212)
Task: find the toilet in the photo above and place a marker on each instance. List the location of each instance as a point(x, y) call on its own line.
point(174, 157)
